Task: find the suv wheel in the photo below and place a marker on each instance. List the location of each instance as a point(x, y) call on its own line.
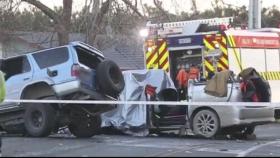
point(39, 120)
point(110, 78)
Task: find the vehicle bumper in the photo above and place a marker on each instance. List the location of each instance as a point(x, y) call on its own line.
point(245, 115)
point(240, 115)
point(72, 87)
point(77, 86)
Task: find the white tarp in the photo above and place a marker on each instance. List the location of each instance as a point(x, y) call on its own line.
point(131, 119)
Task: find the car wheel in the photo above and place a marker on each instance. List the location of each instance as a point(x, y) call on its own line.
point(110, 78)
point(85, 128)
point(206, 124)
point(39, 119)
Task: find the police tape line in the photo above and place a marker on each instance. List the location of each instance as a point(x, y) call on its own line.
point(182, 103)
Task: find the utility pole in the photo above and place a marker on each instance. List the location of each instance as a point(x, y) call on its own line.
point(255, 8)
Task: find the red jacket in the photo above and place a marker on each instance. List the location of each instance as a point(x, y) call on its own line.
point(194, 73)
point(247, 87)
point(182, 78)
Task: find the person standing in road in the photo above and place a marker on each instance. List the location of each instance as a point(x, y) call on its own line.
point(2, 98)
point(194, 73)
point(2, 87)
point(182, 82)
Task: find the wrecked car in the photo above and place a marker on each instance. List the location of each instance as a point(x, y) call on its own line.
point(210, 120)
point(206, 121)
point(76, 71)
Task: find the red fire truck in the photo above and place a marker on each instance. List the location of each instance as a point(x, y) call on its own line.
point(212, 44)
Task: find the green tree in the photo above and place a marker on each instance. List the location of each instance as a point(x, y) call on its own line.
point(271, 17)
point(62, 22)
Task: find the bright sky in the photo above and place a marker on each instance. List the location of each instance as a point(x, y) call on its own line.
point(175, 5)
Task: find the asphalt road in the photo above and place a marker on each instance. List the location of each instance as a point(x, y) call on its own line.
point(266, 144)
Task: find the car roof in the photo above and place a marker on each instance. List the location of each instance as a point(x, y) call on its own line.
point(87, 46)
point(13, 57)
point(76, 43)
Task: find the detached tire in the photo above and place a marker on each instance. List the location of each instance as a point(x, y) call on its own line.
point(39, 120)
point(110, 78)
point(85, 128)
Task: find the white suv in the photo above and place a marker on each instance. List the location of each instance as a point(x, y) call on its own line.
point(75, 71)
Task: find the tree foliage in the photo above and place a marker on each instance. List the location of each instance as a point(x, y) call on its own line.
point(113, 17)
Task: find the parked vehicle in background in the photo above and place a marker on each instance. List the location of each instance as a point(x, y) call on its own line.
point(75, 71)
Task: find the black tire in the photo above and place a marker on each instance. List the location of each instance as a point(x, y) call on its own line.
point(85, 128)
point(39, 120)
point(110, 78)
point(206, 123)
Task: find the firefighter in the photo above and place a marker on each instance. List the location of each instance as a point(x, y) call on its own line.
point(194, 73)
point(182, 82)
point(2, 97)
point(249, 91)
point(252, 91)
point(2, 87)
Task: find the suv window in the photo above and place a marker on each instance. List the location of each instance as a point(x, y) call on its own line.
point(15, 66)
point(51, 57)
point(87, 57)
point(25, 65)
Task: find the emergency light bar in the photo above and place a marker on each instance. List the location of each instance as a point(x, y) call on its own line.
point(213, 21)
point(188, 27)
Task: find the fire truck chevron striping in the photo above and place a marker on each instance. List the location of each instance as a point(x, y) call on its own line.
point(211, 42)
point(235, 51)
point(273, 76)
point(157, 55)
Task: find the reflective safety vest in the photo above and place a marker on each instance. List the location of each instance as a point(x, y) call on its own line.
point(2, 87)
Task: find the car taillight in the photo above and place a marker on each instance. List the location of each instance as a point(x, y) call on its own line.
point(75, 71)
